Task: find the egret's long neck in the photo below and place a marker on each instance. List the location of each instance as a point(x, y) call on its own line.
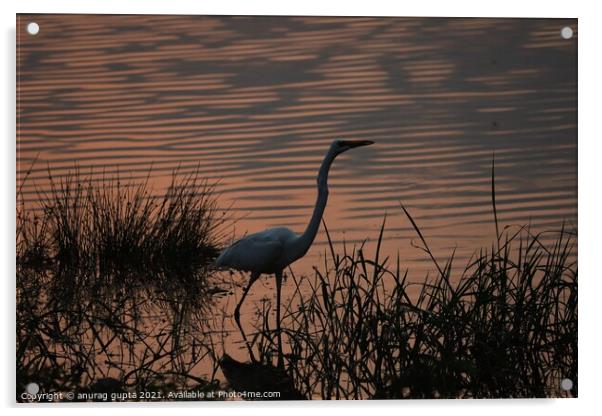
point(307, 238)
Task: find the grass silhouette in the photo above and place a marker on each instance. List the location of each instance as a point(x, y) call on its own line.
point(115, 284)
point(505, 325)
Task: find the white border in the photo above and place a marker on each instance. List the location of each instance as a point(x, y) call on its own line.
point(590, 233)
point(507, 8)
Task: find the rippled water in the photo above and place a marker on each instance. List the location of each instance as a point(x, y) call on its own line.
point(255, 102)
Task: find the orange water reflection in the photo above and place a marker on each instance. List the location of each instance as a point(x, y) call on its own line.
point(254, 103)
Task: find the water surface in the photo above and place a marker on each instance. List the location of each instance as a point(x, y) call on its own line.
point(254, 102)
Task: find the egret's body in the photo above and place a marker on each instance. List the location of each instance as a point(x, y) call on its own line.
point(265, 252)
point(272, 250)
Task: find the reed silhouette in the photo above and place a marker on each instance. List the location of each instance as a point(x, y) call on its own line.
point(114, 283)
point(504, 325)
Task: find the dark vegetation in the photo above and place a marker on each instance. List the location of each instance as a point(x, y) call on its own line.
point(115, 284)
point(505, 325)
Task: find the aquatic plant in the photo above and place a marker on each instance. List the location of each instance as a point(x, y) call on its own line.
point(115, 282)
point(504, 325)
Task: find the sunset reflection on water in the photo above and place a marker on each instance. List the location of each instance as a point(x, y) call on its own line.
point(254, 102)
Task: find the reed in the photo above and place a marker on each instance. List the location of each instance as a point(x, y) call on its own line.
point(503, 326)
point(114, 287)
point(114, 282)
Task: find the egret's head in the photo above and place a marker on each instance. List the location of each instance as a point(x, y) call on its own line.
point(341, 146)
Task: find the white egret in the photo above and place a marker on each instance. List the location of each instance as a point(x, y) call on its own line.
point(270, 251)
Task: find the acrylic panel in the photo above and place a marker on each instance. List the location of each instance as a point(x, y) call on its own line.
point(295, 208)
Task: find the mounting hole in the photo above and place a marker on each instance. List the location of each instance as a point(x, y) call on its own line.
point(566, 32)
point(566, 384)
point(32, 388)
point(33, 28)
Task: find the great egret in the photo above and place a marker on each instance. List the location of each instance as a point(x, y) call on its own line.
point(270, 251)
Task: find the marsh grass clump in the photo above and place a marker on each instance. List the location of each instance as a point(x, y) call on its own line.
point(503, 326)
point(108, 234)
point(115, 282)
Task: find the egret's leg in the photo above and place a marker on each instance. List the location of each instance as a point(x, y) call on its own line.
point(253, 279)
point(278, 287)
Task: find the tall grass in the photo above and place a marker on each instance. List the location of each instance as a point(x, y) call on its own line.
point(114, 234)
point(113, 281)
point(503, 326)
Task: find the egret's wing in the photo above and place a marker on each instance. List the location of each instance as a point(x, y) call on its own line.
point(251, 253)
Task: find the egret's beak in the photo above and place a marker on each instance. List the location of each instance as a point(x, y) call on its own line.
point(356, 143)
